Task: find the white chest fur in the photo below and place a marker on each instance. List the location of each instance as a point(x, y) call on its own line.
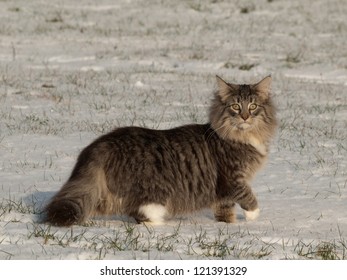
point(259, 146)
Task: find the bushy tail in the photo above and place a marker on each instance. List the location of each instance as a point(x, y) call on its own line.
point(76, 201)
point(64, 212)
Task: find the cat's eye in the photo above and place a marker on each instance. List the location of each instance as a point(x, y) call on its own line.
point(235, 107)
point(252, 106)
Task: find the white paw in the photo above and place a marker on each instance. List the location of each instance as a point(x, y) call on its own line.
point(252, 215)
point(155, 213)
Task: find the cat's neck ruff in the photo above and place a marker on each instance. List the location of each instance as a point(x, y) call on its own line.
point(251, 139)
point(248, 137)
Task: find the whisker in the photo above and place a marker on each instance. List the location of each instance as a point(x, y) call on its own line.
point(214, 131)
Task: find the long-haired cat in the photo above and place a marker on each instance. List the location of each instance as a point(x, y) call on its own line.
point(154, 174)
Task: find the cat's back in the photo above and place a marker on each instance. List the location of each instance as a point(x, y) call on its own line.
point(138, 145)
point(139, 136)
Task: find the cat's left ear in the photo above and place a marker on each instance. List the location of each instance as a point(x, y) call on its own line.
point(263, 87)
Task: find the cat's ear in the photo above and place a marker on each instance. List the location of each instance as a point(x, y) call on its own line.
point(224, 88)
point(263, 87)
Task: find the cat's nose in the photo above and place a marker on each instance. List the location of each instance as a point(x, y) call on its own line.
point(244, 116)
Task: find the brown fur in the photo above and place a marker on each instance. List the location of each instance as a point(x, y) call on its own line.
point(183, 169)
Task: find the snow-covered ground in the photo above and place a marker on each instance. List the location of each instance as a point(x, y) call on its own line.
point(71, 70)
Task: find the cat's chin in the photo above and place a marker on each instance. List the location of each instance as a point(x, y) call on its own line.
point(244, 126)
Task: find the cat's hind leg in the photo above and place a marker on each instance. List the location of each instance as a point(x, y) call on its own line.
point(152, 213)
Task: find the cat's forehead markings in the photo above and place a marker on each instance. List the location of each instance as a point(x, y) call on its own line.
point(245, 91)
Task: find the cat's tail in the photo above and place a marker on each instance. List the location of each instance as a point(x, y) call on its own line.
point(77, 200)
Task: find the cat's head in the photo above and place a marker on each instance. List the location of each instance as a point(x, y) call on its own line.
point(241, 111)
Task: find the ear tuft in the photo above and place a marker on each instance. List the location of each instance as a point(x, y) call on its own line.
point(263, 87)
point(224, 88)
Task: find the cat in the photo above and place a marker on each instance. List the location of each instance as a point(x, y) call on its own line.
point(152, 175)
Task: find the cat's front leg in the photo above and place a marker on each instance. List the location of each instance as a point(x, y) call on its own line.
point(244, 196)
point(252, 215)
point(224, 211)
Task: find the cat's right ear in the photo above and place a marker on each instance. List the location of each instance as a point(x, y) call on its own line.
point(224, 89)
point(263, 87)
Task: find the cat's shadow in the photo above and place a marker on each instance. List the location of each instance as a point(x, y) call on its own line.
point(36, 203)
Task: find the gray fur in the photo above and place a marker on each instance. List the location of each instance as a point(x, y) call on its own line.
point(184, 169)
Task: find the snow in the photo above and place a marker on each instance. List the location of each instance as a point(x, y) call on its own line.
point(73, 70)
